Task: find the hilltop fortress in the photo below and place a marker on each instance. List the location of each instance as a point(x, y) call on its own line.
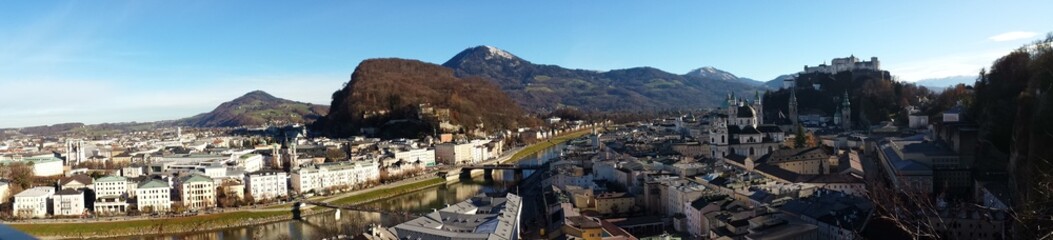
point(837, 65)
point(845, 64)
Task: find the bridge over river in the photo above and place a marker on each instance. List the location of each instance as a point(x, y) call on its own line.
point(488, 169)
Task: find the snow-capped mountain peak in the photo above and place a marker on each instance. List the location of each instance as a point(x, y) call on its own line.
point(497, 52)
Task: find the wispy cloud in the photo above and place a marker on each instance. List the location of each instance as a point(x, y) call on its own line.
point(1010, 36)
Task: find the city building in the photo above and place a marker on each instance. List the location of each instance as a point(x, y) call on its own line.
point(454, 153)
point(836, 215)
point(153, 195)
point(329, 176)
point(33, 202)
point(68, 202)
point(266, 185)
point(197, 191)
point(425, 156)
point(43, 165)
point(111, 194)
point(133, 171)
point(111, 186)
point(4, 191)
point(481, 217)
point(697, 225)
point(111, 205)
point(79, 182)
point(251, 162)
point(605, 203)
point(681, 192)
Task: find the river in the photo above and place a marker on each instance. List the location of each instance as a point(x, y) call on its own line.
point(352, 222)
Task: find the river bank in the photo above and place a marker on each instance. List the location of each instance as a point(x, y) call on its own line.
point(210, 222)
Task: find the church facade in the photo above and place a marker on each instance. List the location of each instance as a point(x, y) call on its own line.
point(741, 130)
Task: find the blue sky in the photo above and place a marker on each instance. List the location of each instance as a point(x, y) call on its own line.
point(117, 61)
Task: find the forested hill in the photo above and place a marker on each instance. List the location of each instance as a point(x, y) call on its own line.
point(387, 95)
point(873, 95)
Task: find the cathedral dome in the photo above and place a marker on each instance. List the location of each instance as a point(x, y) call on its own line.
point(746, 112)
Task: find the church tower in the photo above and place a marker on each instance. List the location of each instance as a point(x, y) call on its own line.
point(733, 105)
point(846, 113)
point(758, 107)
point(793, 106)
point(718, 137)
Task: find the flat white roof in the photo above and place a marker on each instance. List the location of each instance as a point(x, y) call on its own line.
point(37, 192)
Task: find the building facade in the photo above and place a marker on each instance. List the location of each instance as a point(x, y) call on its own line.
point(68, 202)
point(33, 202)
point(742, 131)
point(197, 192)
point(266, 185)
point(153, 195)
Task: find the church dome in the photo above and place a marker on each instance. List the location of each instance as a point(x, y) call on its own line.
point(746, 112)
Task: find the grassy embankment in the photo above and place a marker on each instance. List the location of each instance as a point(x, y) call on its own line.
point(146, 227)
point(387, 192)
point(537, 147)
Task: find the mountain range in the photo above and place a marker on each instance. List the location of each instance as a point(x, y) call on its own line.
point(946, 82)
point(531, 87)
point(717, 74)
point(541, 88)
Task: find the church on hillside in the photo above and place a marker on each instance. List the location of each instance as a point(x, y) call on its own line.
point(741, 130)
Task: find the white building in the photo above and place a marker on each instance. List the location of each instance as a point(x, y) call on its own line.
point(251, 162)
point(333, 175)
point(111, 186)
point(479, 218)
point(68, 202)
point(266, 185)
point(680, 193)
point(4, 187)
point(574, 176)
point(425, 156)
point(154, 195)
point(454, 153)
point(33, 202)
point(197, 192)
point(43, 165)
point(132, 171)
point(304, 180)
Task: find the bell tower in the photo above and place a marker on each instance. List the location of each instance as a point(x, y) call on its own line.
point(846, 113)
point(793, 105)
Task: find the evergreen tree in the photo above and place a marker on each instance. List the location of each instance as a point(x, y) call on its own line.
point(798, 138)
